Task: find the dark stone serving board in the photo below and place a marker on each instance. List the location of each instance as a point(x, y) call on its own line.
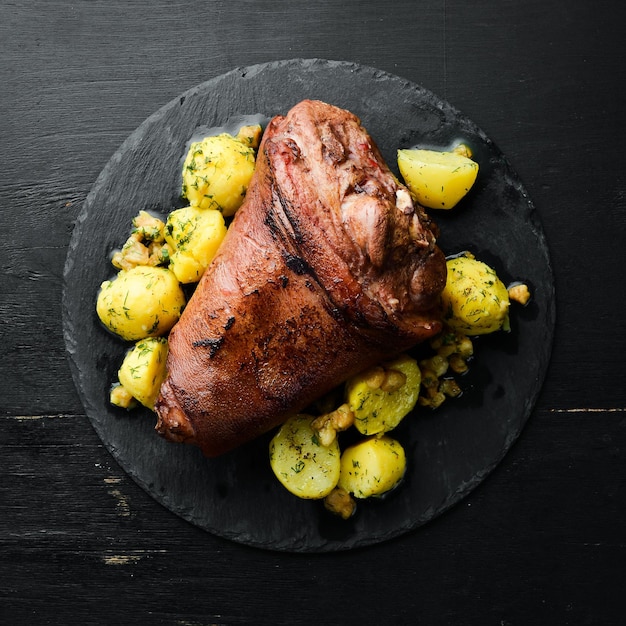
point(451, 450)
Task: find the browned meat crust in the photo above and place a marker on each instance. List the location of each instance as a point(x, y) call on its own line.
point(327, 268)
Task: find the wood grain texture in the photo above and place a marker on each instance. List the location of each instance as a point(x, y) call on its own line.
point(539, 542)
point(506, 553)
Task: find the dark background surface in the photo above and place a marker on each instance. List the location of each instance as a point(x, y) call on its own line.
point(540, 541)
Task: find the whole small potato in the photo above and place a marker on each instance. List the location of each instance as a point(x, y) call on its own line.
point(372, 467)
point(194, 235)
point(217, 172)
point(475, 301)
point(140, 302)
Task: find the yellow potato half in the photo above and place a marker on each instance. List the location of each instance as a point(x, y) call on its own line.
point(475, 301)
point(301, 463)
point(140, 302)
point(143, 370)
point(381, 397)
point(372, 467)
point(439, 180)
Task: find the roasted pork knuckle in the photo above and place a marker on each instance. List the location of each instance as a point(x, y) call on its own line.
point(328, 268)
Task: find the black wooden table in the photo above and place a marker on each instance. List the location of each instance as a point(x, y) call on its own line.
point(541, 541)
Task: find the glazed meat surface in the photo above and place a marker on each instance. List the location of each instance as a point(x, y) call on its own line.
point(327, 268)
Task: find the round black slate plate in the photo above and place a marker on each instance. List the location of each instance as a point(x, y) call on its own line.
point(449, 451)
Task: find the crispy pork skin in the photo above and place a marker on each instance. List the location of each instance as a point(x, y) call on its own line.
point(327, 268)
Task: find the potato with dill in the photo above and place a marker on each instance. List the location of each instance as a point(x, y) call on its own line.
point(372, 467)
point(141, 302)
point(383, 395)
point(142, 371)
point(475, 301)
point(438, 179)
point(217, 170)
point(304, 466)
point(193, 235)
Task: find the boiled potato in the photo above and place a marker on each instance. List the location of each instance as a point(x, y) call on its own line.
point(140, 302)
point(475, 301)
point(194, 235)
point(301, 463)
point(143, 370)
point(437, 179)
point(217, 172)
point(381, 397)
point(372, 467)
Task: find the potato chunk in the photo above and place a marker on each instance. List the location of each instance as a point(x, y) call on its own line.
point(382, 396)
point(143, 370)
point(475, 301)
point(194, 236)
point(301, 463)
point(140, 302)
point(217, 172)
point(372, 467)
point(439, 180)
